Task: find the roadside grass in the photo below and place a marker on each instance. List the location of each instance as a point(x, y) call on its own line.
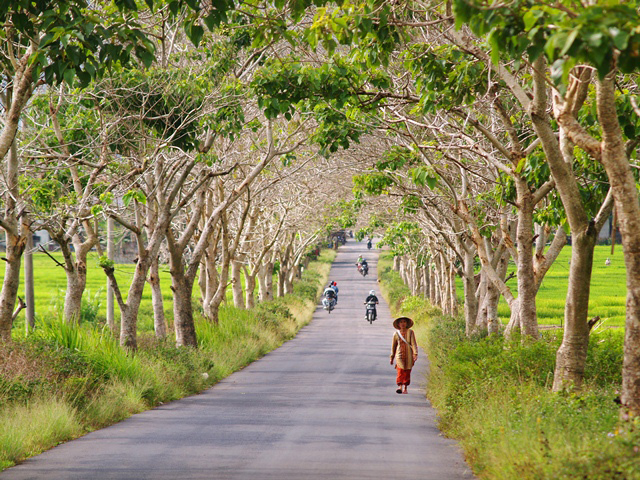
point(494, 396)
point(63, 381)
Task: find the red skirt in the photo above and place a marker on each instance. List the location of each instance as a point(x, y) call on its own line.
point(403, 377)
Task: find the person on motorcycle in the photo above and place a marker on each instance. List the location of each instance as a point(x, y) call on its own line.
point(373, 299)
point(369, 244)
point(334, 286)
point(360, 260)
point(330, 295)
point(364, 266)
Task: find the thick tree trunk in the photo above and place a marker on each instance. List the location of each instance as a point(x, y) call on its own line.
point(282, 274)
point(159, 321)
point(396, 263)
point(183, 311)
point(16, 237)
point(425, 282)
point(129, 317)
point(625, 193)
point(572, 354)
point(288, 281)
point(76, 283)
point(526, 281)
point(236, 284)
point(266, 283)
point(212, 311)
point(10, 283)
point(250, 290)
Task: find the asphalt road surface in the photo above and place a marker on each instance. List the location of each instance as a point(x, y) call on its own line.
point(323, 406)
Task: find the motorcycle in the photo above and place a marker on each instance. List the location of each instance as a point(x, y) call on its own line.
point(371, 312)
point(364, 269)
point(329, 303)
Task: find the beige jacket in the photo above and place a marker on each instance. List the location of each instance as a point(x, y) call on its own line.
point(404, 363)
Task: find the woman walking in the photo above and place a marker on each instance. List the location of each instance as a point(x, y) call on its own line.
point(404, 350)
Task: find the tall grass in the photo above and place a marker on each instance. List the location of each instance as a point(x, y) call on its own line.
point(494, 396)
point(29, 428)
point(77, 378)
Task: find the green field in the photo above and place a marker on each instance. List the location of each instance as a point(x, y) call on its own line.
point(608, 289)
point(50, 286)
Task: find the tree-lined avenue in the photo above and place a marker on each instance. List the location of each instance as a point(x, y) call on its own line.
point(323, 406)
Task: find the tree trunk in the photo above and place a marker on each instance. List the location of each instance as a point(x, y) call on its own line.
point(129, 317)
point(453, 299)
point(526, 281)
point(470, 299)
point(236, 284)
point(111, 322)
point(572, 354)
point(433, 285)
point(265, 280)
point(159, 321)
point(625, 193)
point(10, 284)
point(288, 281)
point(202, 281)
point(281, 277)
point(425, 282)
point(29, 287)
point(16, 235)
point(437, 284)
point(183, 311)
point(250, 290)
point(396, 263)
point(76, 283)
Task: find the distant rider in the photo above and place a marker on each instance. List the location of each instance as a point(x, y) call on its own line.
point(373, 299)
point(329, 294)
point(334, 286)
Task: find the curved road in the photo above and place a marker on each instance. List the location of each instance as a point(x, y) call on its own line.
point(322, 406)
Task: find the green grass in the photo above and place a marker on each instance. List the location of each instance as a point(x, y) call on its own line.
point(494, 397)
point(66, 380)
point(50, 286)
point(608, 289)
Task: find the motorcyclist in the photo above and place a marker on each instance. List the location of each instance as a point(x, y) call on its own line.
point(334, 286)
point(369, 244)
point(329, 295)
point(364, 266)
point(372, 299)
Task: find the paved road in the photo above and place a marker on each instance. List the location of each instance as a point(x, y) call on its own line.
point(323, 406)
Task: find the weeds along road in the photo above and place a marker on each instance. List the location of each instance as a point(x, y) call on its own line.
point(323, 406)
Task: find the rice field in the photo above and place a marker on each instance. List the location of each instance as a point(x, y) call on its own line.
point(608, 289)
point(50, 286)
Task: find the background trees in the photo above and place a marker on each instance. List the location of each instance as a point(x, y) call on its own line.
point(224, 140)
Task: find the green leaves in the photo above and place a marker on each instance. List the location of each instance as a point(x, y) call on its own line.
point(567, 35)
point(423, 176)
point(105, 262)
point(136, 195)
